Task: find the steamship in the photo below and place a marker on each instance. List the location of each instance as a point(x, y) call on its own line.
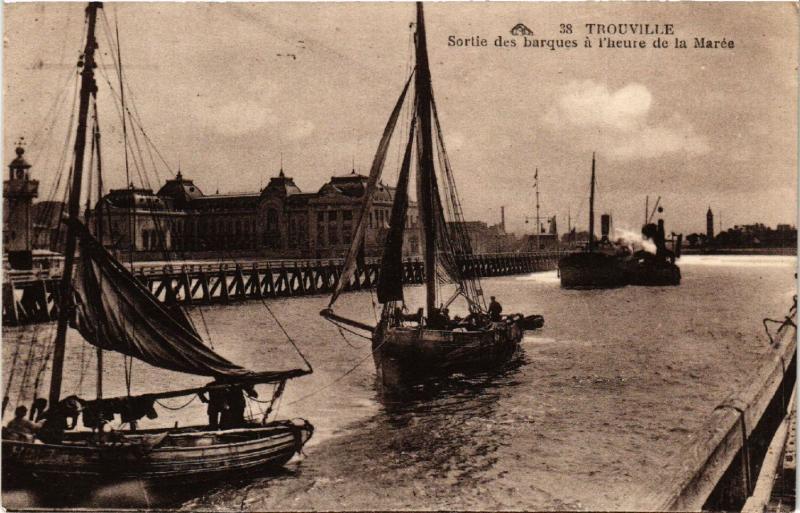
point(597, 265)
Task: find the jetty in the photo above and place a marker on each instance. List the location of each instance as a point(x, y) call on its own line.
point(32, 296)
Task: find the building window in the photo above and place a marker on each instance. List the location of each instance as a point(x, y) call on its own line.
point(272, 234)
point(333, 228)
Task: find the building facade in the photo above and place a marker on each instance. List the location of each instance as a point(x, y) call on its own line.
point(280, 221)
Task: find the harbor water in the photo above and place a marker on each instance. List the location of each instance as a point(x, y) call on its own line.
point(593, 412)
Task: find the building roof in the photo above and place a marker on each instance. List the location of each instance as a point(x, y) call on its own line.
point(354, 185)
point(282, 185)
point(226, 202)
point(139, 198)
point(180, 189)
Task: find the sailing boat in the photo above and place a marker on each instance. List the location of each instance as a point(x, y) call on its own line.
point(591, 268)
point(410, 347)
point(112, 310)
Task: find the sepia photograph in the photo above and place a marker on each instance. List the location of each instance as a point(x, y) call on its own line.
point(399, 256)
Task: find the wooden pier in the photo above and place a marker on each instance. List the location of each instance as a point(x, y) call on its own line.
point(31, 297)
point(725, 458)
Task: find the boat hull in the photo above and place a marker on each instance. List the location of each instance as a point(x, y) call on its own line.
point(405, 356)
point(664, 274)
point(155, 456)
point(590, 270)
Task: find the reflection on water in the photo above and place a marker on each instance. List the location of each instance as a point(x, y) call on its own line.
point(592, 414)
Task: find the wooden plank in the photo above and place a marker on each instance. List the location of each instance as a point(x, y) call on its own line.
point(758, 501)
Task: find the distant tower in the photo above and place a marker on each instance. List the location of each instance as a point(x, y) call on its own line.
point(503, 219)
point(709, 225)
point(18, 193)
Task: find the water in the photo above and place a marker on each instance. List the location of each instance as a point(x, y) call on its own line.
point(592, 414)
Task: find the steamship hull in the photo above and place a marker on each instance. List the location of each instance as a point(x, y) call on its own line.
point(154, 457)
point(407, 356)
point(591, 270)
point(654, 274)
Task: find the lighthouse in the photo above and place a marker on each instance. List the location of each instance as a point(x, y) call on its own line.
point(18, 193)
point(709, 225)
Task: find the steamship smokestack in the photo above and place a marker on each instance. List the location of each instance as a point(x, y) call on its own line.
point(605, 226)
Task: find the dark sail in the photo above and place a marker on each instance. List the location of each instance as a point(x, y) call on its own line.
point(374, 176)
point(115, 312)
point(390, 282)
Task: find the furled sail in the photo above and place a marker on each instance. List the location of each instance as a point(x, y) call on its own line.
point(372, 182)
point(115, 312)
point(390, 279)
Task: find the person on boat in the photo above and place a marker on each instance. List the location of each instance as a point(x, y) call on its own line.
point(20, 428)
point(233, 415)
point(495, 309)
point(217, 404)
point(437, 320)
point(59, 419)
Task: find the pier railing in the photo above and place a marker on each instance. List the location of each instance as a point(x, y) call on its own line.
point(29, 299)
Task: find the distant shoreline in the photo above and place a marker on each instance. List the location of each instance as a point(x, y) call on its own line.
point(740, 251)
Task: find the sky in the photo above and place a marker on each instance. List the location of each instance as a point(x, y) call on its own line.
point(230, 92)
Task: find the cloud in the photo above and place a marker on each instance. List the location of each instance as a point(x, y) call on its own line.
point(675, 136)
point(621, 122)
point(587, 103)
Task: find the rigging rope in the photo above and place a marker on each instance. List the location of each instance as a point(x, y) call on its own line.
point(176, 408)
point(347, 373)
point(11, 373)
point(288, 337)
point(26, 371)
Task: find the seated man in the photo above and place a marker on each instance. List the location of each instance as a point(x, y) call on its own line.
point(56, 420)
point(435, 319)
point(20, 428)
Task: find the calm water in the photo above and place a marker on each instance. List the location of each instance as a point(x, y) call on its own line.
point(592, 414)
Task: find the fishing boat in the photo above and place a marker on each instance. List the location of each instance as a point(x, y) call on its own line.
point(593, 267)
point(112, 310)
point(409, 345)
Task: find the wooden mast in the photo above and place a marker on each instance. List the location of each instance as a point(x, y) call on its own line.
point(591, 210)
point(425, 148)
point(98, 219)
point(88, 88)
point(538, 221)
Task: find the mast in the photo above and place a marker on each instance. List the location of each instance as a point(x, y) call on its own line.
point(538, 223)
point(98, 220)
point(591, 210)
point(425, 148)
point(88, 88)
point(569, 225)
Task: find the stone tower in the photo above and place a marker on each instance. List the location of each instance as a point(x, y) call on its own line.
point(18, 193)
point(709, 225)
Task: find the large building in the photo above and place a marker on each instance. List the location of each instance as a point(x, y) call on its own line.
point(279, 221)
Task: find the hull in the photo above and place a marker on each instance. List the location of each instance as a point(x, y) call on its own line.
point(155, 456)
point(664, 274)
point(405, 356)
point(590, 270)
